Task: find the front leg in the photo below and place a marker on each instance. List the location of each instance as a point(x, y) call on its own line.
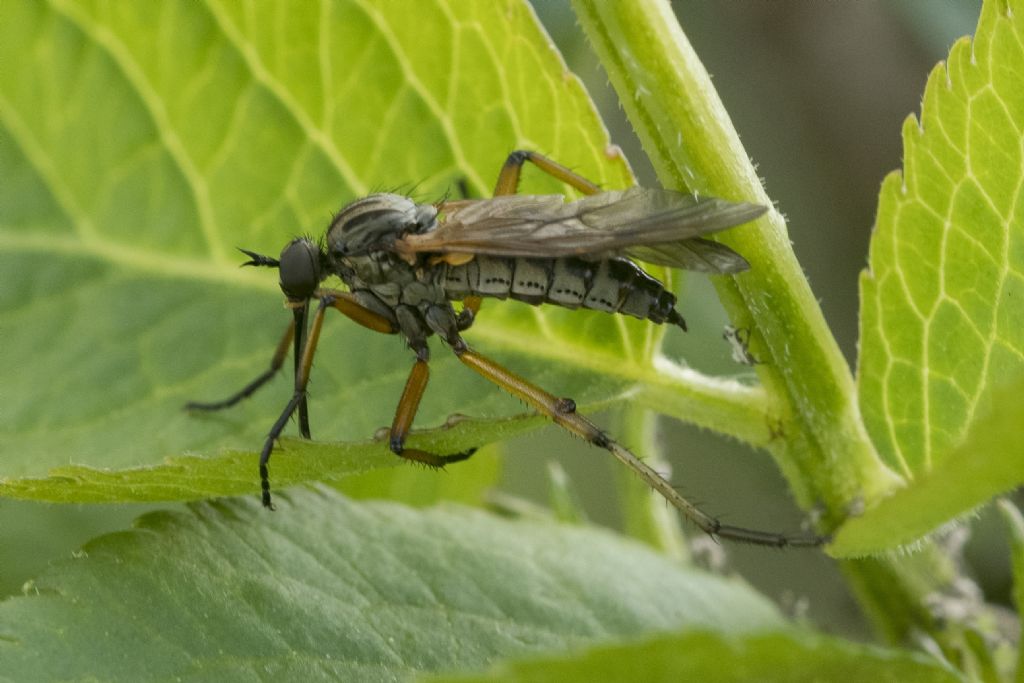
point(305, 362)
point(345, 303)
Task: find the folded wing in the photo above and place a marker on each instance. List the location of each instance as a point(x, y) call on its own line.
point(653, 225)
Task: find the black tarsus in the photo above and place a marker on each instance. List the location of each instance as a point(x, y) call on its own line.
point(268, 446)
point(246, 391)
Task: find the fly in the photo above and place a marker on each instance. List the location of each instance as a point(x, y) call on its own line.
point(405, 263)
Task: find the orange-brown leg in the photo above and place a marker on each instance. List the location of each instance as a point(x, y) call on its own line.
point(563, 412)
point(406, 412)
point(347, 304)
point(508, 179)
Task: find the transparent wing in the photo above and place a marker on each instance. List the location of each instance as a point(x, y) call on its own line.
point(658, 226)
point(703, 256)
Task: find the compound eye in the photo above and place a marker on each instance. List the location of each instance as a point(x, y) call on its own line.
point(300, 269)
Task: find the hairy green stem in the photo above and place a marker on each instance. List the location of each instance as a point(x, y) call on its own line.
point(822, 446)
point(668, 96)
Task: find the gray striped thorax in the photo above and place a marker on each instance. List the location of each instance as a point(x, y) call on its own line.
point(358, 244)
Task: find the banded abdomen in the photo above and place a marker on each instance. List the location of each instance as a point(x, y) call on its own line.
point(614, 285)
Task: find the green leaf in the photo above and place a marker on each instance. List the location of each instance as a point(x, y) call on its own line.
point(140, 143)
point(372, 468)
point(471, 483)
point(696, 656)
point(980, 465)
point(331, 589)
point(942, 315)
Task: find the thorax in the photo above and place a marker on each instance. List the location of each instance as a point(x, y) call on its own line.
point(359, 249)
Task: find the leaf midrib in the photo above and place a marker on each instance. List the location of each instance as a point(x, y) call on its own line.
point(144, 261)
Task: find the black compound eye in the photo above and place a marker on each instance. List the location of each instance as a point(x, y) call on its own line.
point(300, 269)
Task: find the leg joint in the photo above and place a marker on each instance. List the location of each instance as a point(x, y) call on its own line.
point(565, 406)
point(519, 157)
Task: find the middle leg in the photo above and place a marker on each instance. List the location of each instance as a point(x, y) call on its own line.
point(406, 412)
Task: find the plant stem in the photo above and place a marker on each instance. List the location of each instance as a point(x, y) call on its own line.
point(667, 94)
point(823, 449)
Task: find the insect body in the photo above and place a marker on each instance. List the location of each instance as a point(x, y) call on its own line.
point(405, 263)
point(610, 285)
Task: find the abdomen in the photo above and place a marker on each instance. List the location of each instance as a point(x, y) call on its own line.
point(610, 285)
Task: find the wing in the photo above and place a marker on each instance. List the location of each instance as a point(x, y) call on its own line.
point(700, 255)
point(658, 226)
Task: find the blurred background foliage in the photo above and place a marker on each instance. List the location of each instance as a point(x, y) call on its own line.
point(818, 92)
